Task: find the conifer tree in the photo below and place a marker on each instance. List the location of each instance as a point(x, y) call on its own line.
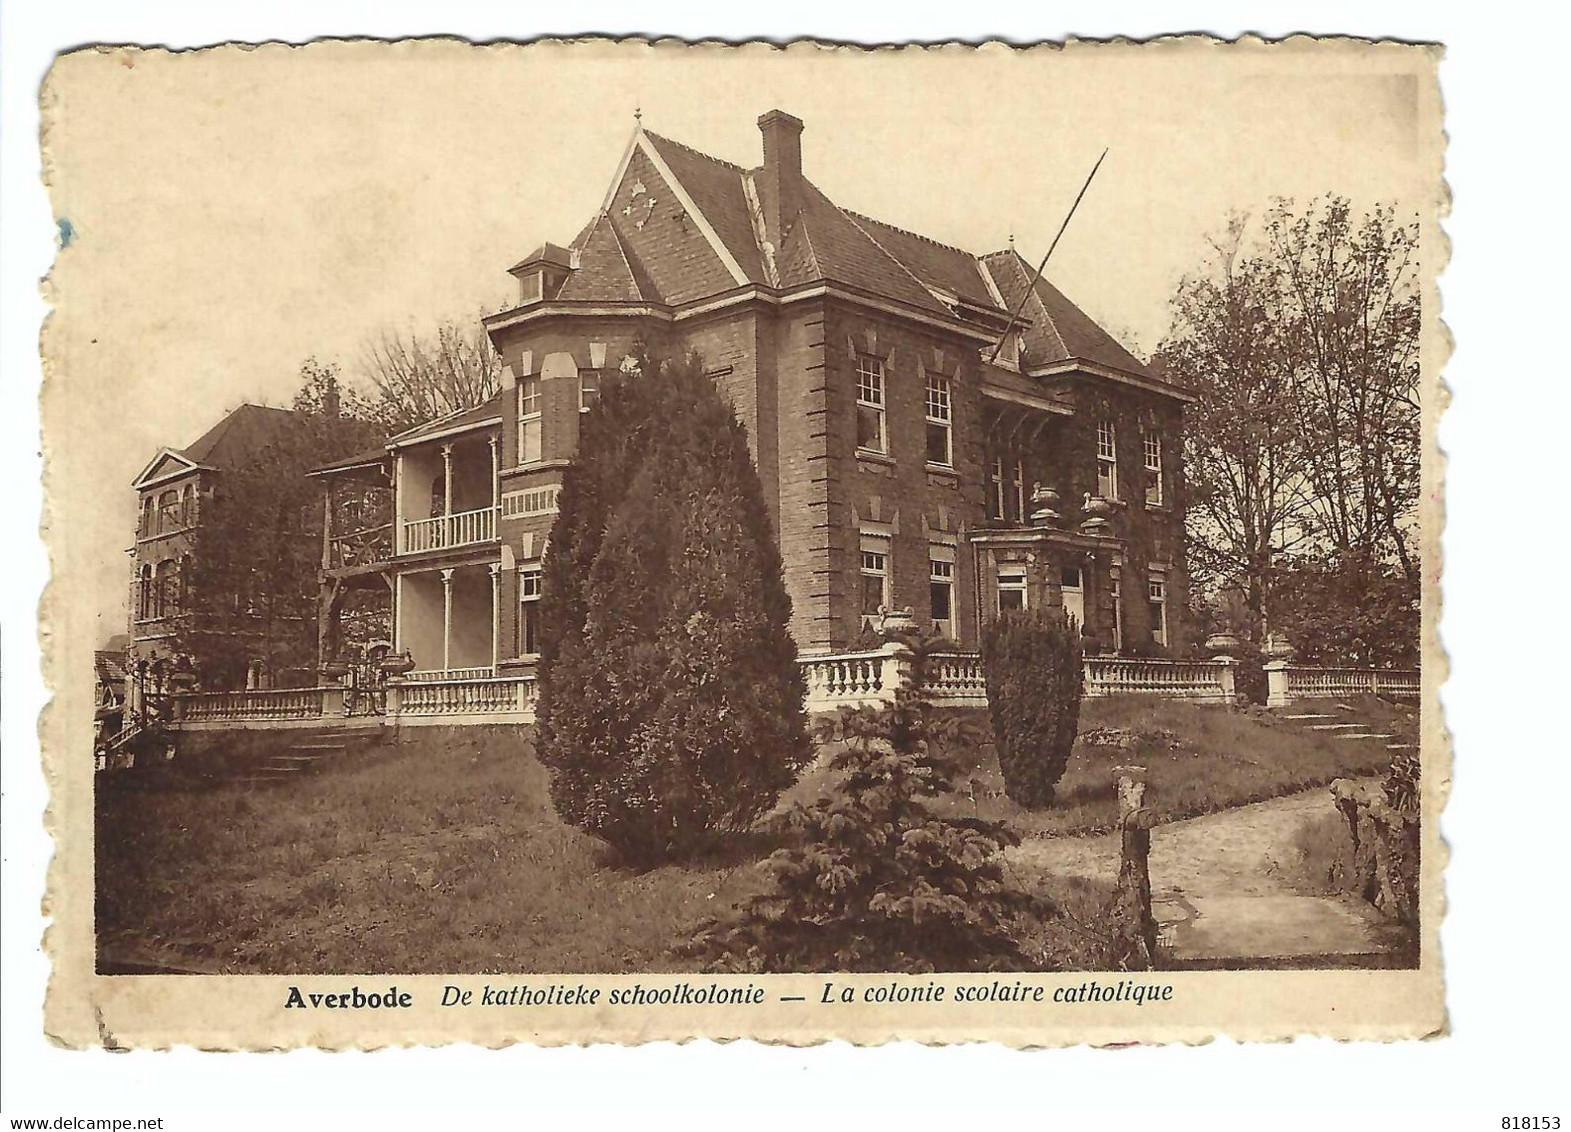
point(670, 705)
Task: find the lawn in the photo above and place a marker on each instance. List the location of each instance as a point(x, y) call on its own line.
point(444, 855)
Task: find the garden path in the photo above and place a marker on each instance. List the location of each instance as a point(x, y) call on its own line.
point(1222, 885)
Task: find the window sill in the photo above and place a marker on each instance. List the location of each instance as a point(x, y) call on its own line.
point(869, 456)
point(1159, 508)
point(948, 471)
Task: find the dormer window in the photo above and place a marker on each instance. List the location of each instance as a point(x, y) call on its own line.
point(531, 288)
point(541, 274)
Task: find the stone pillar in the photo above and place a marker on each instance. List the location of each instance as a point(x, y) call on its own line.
point(395, 697)
point(447, 486)
point(1229, 675)
point(333, 699)
point(1276, 684)
point(447, 618)
point(896, 667)
point(496, 601)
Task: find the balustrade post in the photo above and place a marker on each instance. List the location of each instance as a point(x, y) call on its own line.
point(395, 697)
point(1228, 678)
point(333, 700)
point(896, 668)
point(1276, 684)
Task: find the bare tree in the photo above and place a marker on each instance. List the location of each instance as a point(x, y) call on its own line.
point(419, 377)
point(1348, 320)
point(1244, 458)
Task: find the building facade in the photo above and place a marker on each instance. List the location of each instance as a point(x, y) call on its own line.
point(179, 605)
point(920, 443)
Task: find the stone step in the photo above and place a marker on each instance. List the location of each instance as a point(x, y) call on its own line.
point(1399, 746)
point(1362, 735)
point(1307, 715)
point(325, 745)
point(1332, 726)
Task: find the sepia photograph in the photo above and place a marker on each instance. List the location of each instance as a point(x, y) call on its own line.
point(676, 515)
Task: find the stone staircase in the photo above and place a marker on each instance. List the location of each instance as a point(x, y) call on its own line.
point(1345, 723)
point(310, 754)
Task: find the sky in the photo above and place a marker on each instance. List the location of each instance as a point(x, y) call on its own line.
point(235, 212)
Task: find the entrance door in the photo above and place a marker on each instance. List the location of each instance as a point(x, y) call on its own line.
point(1074, 594)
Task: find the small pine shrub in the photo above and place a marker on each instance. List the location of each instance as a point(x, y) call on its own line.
point(1249, 679)
point(671, 702)
point(875, 879)
point(1032, 663)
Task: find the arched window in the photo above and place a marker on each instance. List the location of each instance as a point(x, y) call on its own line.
point(168, 517)
point(144, 592)
point(188, 504)
point(148, 507)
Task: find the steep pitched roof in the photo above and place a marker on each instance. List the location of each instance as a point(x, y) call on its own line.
point(463, 418)
point(716, 187)
point(1059, 330)
point(245, 433)
point(665, 259)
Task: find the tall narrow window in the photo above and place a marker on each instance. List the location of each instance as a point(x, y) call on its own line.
point(529, 420)
point(941, 589)
point(874, 575)
point(1106, 460)
point(1158, 595)
point(1151, 443)
point(1017, 487)
point(995, 490)
point(1011, 588)
point(588, 390)
point(149, 509)
point(144, 592)
point(188, 505)
point(528, 637)
point(940, 422)
point(1117, 593)
point(871, 433)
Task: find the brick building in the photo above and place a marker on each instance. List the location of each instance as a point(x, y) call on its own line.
point(175, 491)
point(904, 464)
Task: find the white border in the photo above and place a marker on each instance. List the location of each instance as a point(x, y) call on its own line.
point(1504, 299)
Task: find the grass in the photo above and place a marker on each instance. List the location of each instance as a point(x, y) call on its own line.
point(441, 856)
point(1198, 759)
point(445, 855)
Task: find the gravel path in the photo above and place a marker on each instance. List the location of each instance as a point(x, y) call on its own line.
point(1221, 883)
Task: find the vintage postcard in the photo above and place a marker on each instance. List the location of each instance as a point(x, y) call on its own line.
point(611, 541)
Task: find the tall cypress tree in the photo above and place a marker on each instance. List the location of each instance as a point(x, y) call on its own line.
point(671, 700)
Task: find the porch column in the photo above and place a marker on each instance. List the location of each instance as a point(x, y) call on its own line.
point(327, 525)
point(447, 618)
point(447, 493)
point(496, 601)
point(496, 465)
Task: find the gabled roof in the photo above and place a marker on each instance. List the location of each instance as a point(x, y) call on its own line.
point(476, 416)
point(1058, 330)
point(672, 253)
point(246, 432)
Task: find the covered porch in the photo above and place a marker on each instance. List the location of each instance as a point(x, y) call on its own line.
point(446, 619)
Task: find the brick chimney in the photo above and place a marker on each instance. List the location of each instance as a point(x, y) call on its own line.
point(782, 174)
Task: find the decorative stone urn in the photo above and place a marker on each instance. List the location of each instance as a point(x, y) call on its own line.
point(398, 663)
point(1223, 643)
point(1044, 507)
point(1276, 647)
point(892, 622)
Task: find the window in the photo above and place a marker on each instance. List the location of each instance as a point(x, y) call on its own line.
point(588, 390)
point(941, 589)
point(995, 490)
point(874, 575)
point(529, 420)
point(940, 421)
point(535, 501)
point(871, 434)
point(188, 504)
point(1158, 595)
point(1106, 460)
point(1073, 585)
point(148, 511)
point(1011, 588)
point(528, 640)
point(168, 512)
point(1117, 594)
point(1018, 484)
point(1151, 442)
point(144, 592)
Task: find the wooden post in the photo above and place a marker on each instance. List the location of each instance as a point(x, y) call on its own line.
point(1134, 927)
point(327, 526)
point(496, 601)
point(447, 619)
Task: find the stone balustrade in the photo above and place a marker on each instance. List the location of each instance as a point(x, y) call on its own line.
point(252, 705)
point(1204, 680)
point(1286, 682)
